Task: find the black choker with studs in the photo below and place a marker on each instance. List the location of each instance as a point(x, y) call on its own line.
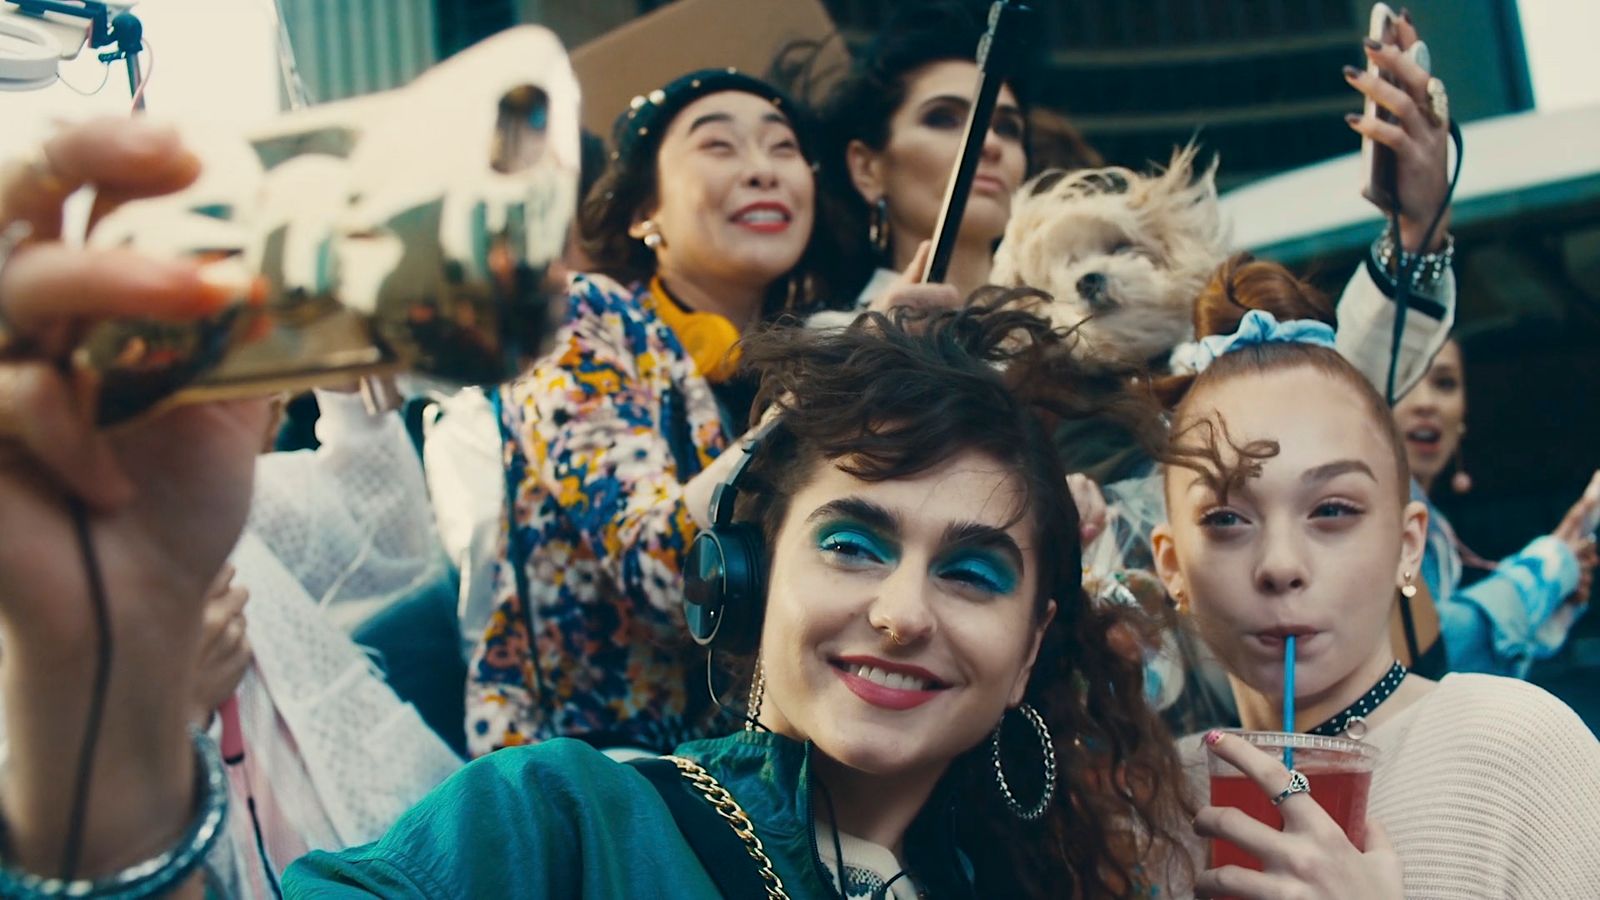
point(1353, 718)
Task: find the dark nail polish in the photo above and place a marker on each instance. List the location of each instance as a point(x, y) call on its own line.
point(1352, 118)
point(1352, 73)
point(1405, 14)
point(1372, 44)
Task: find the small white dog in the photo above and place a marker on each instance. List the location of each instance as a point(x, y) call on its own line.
point(1122, 254)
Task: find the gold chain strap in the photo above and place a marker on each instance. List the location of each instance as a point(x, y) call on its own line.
point(729, 809)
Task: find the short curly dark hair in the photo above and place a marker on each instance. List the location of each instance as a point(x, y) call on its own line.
point(890, 398)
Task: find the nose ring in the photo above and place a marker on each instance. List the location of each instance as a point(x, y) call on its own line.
point(895, 637)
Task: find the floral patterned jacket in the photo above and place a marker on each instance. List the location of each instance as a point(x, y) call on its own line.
point(587, 639)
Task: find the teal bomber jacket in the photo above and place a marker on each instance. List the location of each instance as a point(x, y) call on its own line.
point(562, 820)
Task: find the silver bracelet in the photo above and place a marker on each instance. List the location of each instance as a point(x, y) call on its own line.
point(1427, 269)
point(159, 874)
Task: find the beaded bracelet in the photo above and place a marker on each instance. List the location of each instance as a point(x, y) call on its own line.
point(159, 874)
point(1427, 269)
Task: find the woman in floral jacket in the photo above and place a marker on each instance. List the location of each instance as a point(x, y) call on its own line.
point(702, 224)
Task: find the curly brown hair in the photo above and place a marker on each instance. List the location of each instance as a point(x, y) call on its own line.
point(890, 398)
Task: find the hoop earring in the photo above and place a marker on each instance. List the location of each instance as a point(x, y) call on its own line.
point(1047, 747)
point(878, 226)
point(758, 693)
point(1409, 589)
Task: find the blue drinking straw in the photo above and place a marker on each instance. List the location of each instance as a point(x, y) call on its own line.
point(1288, 697)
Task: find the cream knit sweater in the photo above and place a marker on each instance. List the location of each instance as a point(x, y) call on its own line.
point(1489, 788)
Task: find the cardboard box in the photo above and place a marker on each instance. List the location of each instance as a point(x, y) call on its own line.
point(685, 35)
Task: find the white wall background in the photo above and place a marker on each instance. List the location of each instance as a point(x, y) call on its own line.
point(1563, 57)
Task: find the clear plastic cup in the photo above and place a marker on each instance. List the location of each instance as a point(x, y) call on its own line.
point(1340, 773)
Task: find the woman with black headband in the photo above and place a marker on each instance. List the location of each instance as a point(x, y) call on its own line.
point(700, 230)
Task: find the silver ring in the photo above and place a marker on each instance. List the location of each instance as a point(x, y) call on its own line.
point(1297, 785)
point(12, 236)
point(1438, 101)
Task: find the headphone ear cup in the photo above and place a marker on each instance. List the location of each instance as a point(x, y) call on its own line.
point(744, 588)
point(704, 594)
point(724, 583)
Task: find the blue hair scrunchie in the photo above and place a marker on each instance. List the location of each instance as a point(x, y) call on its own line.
point(1256, 328)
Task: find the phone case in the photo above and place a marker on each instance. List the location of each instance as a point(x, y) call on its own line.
point(403, 231)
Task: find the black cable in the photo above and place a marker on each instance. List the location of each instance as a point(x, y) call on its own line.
point(1404, 272)
point(882, 893)
point(261, 848)
point(838, 846)
point(73, 849)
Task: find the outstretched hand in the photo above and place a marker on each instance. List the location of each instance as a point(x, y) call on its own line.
point(163, 500)
point(1419, 139)
point(1578, 533)
point(1310, 858)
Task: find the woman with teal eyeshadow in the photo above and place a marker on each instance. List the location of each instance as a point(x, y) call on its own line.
point(934, 706)
point(919, 658)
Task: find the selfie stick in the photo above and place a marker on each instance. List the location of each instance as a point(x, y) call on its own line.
point(997, 52)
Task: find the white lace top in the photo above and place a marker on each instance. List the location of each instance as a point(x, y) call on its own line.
point(868, 867)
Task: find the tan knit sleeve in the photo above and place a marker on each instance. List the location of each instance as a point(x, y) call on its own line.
point(1495, 792)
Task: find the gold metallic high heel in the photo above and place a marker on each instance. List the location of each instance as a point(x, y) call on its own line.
point(409, 231)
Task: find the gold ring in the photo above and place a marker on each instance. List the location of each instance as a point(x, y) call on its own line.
point(1438, 102)
point(12, 236)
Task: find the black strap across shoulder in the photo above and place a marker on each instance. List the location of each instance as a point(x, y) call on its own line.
point(712, 838)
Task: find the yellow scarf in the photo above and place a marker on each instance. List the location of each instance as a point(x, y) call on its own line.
point(709, 338)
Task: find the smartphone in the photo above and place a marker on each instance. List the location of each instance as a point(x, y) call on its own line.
point(405, 232)
point(1381, 188)
point(1382, 185)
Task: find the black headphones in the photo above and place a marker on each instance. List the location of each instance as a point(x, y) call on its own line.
point(724, 576)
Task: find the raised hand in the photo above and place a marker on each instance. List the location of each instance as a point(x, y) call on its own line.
point(909, 291)
point(1420, 139)
point(165, 497)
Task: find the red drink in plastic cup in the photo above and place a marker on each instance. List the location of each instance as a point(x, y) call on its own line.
point(1340, 773)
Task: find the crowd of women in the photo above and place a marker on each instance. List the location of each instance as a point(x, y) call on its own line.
point(853, 490)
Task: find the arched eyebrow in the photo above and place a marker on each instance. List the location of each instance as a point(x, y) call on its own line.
point(1332, 470)
point(709, 118)
point(985, 536)
point(864, 511)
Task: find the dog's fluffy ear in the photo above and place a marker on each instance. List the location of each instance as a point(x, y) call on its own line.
point(1182, 205)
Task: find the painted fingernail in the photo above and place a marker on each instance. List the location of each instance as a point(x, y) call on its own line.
point(1212, 737)
point(1372, 44)
point(1351, 118)
point(1405, 13)
point(227, 281)
point(1352, 73)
